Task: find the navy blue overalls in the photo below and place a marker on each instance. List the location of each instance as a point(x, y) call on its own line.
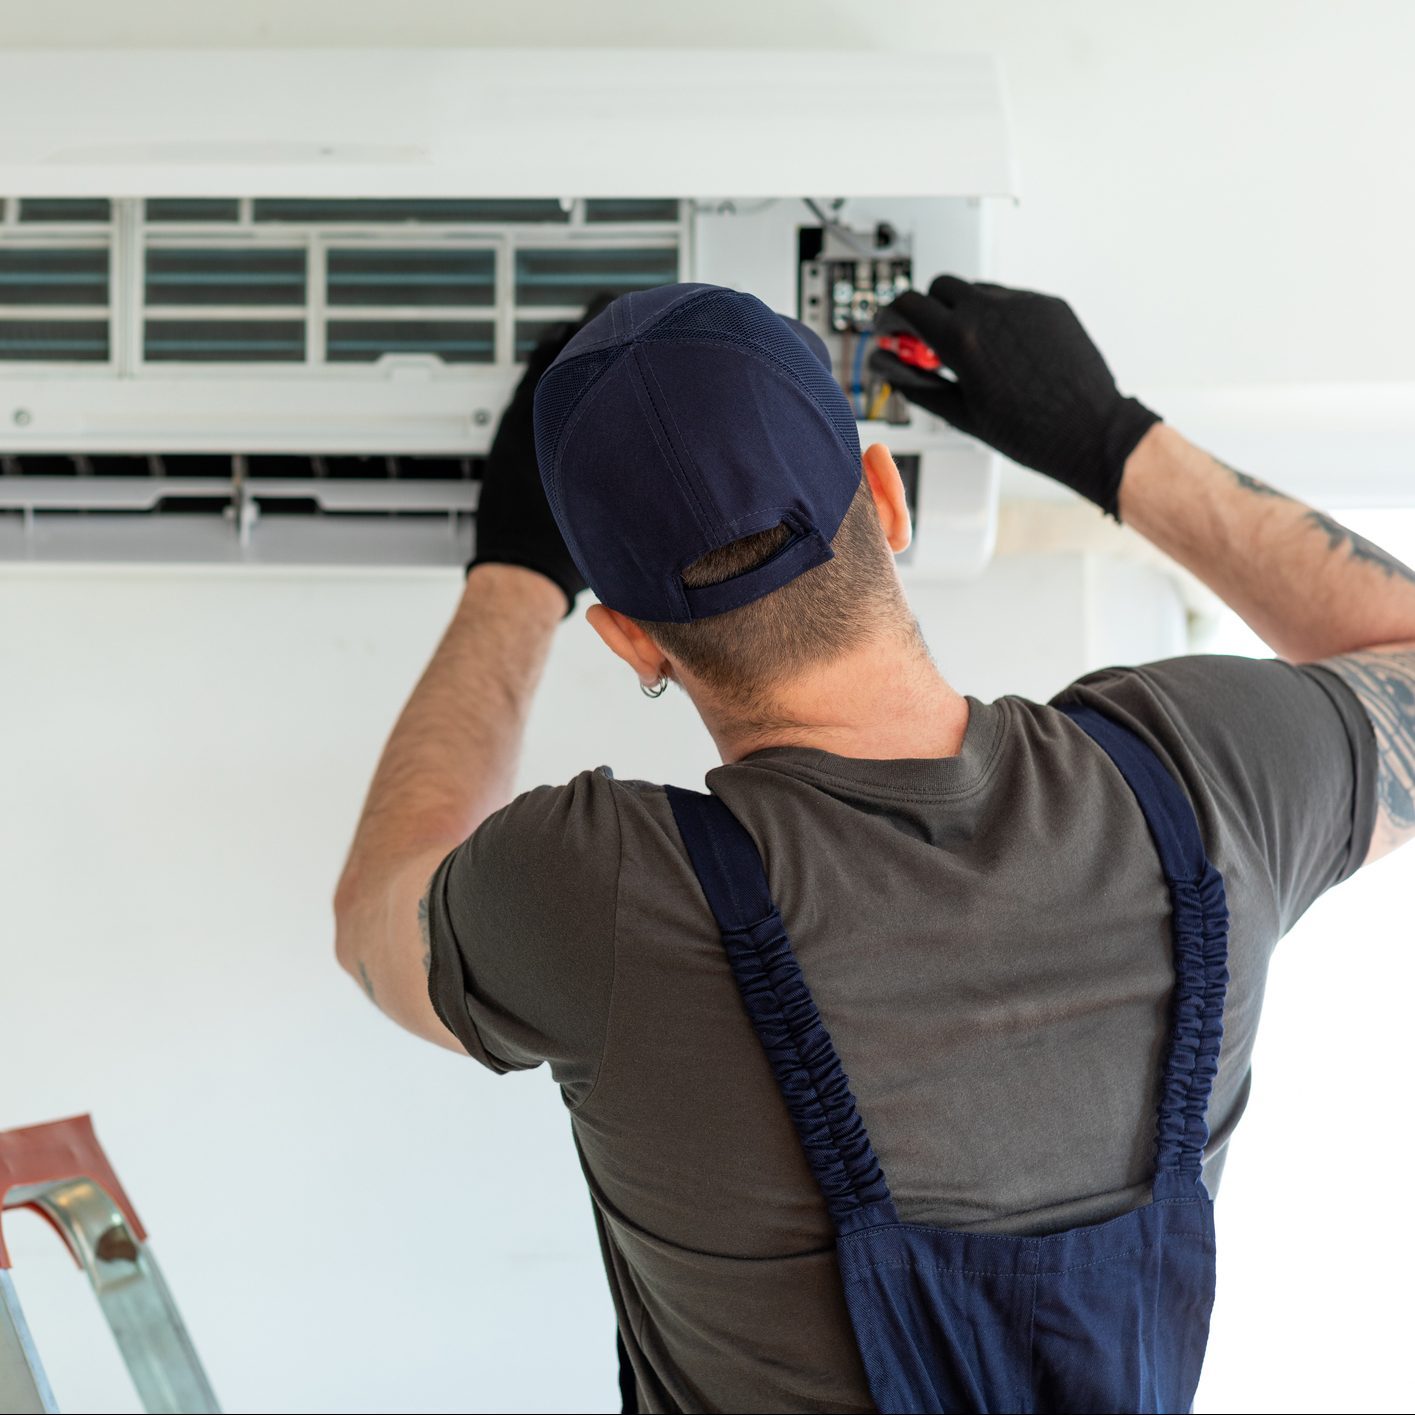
point(1113, 1317)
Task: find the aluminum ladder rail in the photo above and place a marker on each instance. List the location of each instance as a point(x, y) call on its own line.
point(60, 1170)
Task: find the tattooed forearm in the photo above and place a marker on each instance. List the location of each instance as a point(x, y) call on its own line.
point(1384, 682)
point(1247, 483)
point(367, 982)
point(1338, 538)
point(424, 934)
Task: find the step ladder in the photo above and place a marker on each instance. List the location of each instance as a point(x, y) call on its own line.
point(61, 1172)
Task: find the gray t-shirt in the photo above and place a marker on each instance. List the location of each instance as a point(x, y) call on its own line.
point(987, 939)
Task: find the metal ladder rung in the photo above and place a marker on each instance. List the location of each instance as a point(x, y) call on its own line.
point(60, 1170)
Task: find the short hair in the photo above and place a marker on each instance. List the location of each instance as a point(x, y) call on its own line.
point(743, 654)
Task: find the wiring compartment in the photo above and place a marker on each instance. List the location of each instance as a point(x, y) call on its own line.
point(845, 277)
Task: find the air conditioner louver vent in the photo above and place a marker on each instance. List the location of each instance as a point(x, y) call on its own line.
point(55, 275)
point(54, 341)
point(243, 276)
point(633, 209)
point(381, 212)
point(155, 468)
point(86, 209)
point(572, 277)
point(329, 284)
point(452, 341)
point(236, 340)
point(192, 209)
point(411, 277)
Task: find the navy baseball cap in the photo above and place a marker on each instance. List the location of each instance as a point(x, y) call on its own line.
point(681, 419)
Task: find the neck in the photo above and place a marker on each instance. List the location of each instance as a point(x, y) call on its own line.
point(884, 700)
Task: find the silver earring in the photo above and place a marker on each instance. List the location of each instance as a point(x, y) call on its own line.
point(656, 690)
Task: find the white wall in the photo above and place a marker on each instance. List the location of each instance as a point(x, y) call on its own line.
point(352, 1220)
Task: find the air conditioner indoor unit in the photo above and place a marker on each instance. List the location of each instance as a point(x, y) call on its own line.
point(265, 306)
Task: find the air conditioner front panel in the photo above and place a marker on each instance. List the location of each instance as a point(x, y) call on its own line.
point(501, 123)
point(257, 301)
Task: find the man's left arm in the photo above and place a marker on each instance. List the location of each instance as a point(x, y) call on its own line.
point(449, 764)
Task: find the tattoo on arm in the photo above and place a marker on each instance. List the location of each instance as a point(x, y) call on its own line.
point(1383, 680)
point(424, 932)
point(1338, 538)
point(1247, 483)
point(367, 982)
point(1385, 685)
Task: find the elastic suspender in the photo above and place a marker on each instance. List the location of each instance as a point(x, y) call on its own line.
point(1200, 930)
point(808, 1070)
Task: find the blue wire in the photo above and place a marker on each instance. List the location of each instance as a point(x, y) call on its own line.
point(857, 387)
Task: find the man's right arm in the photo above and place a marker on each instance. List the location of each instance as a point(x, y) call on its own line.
point(1311, 589)
point(1024, 377)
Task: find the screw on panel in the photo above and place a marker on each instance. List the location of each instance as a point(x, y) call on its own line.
point(481, 417)
point(22, 417)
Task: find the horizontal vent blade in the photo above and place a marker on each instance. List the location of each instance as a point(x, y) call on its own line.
point(54, 340)
point(573, 277)
point(223, 341)
point(637, 209)
point(247, 275)
point(453, 341)
point(87, 209)
point(411, 277)
point(226, 209)
point(53, 276)
point(537, 209)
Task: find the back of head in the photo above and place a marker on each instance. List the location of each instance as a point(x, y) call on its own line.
point(704, 469)
point(743, 655)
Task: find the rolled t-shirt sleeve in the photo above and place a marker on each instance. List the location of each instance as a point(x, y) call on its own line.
point(1282, 759)
point(521, 921)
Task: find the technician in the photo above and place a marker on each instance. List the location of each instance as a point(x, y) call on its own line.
point(975, 893)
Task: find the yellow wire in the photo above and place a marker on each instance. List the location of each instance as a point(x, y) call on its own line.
point(881, 398)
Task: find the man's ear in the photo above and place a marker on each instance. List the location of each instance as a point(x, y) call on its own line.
point(625, 639)
point(887, 488)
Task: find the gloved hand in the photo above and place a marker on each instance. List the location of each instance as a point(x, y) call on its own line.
point(1029, 382)
point(514, 524)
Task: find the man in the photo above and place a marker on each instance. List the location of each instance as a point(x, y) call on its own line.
point(970, 891)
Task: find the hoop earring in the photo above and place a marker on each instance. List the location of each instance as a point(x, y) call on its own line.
point(657, 690)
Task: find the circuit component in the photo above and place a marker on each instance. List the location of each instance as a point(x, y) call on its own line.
point(846, 277)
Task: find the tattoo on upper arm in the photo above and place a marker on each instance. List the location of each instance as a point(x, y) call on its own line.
point(1384, 683)
point(424, 931)
point(367, 982)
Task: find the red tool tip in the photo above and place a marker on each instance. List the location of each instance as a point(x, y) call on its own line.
point(910, 349)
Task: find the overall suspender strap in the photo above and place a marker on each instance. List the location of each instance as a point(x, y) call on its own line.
point(808, 1071)
point(1200, 930)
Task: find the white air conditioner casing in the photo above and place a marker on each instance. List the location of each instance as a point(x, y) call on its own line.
point(739, 137)
point(500, 122)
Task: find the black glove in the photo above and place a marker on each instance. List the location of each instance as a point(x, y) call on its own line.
point(1029, 381)
point(514, 524)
